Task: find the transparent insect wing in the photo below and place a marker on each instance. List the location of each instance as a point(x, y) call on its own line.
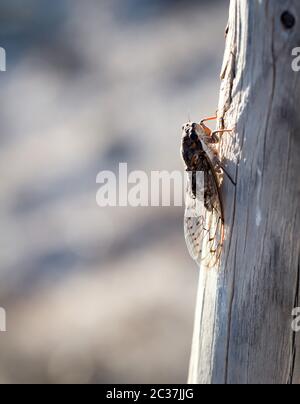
point(203, 224)
point(214, 238)
point(194, 220)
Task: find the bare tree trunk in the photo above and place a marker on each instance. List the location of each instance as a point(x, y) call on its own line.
point(243, 332)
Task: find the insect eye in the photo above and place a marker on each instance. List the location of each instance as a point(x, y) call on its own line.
point(193, 136)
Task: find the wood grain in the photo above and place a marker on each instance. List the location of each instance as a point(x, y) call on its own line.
point(243, 319)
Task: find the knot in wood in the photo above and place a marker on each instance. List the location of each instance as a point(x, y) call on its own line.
point(288, 20)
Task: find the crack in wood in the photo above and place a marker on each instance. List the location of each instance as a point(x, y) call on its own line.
point(230, 317)
point(294, 347)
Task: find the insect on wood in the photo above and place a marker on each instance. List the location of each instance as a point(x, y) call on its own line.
point(204, 215)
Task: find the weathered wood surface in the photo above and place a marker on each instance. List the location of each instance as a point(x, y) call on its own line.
point(243, 331)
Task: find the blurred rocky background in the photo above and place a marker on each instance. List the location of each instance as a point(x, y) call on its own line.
point(98, 295)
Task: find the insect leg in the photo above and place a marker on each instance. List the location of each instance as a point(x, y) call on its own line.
point(212, 118)
point(227, 173)
point(207, 130)
point(215, 134)
point(213, 138)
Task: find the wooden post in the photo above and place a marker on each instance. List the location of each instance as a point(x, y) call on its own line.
point(243, 332)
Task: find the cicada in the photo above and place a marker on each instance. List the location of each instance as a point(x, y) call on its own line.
point(204, 214)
